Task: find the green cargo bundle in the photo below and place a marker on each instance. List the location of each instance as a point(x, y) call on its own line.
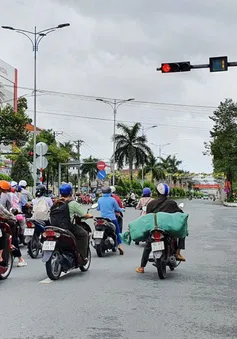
point(174, 223)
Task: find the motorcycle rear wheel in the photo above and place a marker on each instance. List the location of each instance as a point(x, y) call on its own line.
point(8, 258)
point(32, 249)
point(161, 268)
point(87, 266)
point(100, 250)
point(53, 266)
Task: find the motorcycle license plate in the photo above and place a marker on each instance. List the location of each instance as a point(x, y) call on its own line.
point(29, 231)
point(0, 233)
point(98, 234)
point(49, 245)
point(158, 246)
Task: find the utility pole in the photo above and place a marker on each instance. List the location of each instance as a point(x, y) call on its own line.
point(78, 145)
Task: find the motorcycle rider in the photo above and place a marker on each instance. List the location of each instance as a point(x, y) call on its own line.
point(26, 194)
point(75, 209)
point(144, 201)
point(162, 204)
point(119, 215)
point(108, 206)
point(41, 204)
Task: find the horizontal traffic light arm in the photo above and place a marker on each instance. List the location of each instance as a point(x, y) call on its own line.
point(216, 64)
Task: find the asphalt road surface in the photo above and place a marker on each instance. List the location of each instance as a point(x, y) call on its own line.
point(111, 301)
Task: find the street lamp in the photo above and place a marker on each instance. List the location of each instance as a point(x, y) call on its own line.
point(143, 133)
point(161, 146)
point(35, 37)
point(115, 105)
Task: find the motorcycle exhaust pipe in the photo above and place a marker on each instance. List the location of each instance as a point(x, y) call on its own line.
point(172, 260)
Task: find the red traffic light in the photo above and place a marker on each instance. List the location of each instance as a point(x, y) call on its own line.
point(174, 67)
point(165, 68)
point(31, 154)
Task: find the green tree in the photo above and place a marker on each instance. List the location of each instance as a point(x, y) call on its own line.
point(223, 144)
point(131, 149)
point(89, 168)
point(13, 124)
point(20, 170)
point(170, 165)
point(154, 167)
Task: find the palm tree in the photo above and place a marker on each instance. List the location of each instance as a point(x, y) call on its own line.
point(170, 164)
point(89, 168)
point(69, 148)
point(154, 167)
point(131, 149)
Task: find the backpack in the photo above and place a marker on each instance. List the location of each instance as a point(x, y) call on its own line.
point(59, 214)
point(41, 211)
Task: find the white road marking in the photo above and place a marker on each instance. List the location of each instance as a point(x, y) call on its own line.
point(49, 281)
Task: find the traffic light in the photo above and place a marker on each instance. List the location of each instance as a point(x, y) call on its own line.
point(218, 64)
point(176, 67)
point(31, 154)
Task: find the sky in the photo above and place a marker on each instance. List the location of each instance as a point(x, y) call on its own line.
point(112, 49)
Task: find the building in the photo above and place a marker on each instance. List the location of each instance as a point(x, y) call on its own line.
point(8, 84)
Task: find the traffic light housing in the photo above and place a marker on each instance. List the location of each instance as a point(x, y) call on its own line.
point(174, 67)
point(218, 64)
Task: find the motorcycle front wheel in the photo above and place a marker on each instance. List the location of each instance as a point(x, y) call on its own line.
point(161, 267)
point(53, 266)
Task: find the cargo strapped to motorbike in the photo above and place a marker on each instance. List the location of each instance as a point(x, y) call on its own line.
point(176, 224)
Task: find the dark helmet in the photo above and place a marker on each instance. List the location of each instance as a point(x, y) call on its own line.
point(106, 189)
point(146, 192)
point(40, 190)
point(65, 190)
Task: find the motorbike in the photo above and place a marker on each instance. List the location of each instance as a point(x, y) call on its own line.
point(163, 250)
point(104, 238)
point(60, 252)
point(130, 203)
point(190, 197)
point(20, 218)
point(33, 237)
point(5, 232)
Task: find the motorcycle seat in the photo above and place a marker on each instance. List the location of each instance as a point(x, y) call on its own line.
point(61, 230)
point(40, 222)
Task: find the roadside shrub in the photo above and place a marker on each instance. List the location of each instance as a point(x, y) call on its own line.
point(5, 177)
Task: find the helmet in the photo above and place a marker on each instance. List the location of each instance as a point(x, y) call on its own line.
point(65, 190)
point(113, 189)
point(13, 184)
point(106, 189)
point(5, 185)
point(40, 190)
point(163, 189)
point(146, 192)
point(18, 188)
point(23, 183)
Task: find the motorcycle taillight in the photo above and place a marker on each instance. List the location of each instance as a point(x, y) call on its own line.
point(156, 236)
point(100, 222)
point(29, 224)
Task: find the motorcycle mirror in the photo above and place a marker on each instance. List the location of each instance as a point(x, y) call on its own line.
point(94, 206)
point(181, 205)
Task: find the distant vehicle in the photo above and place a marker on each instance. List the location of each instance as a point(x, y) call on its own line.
point(205, 196)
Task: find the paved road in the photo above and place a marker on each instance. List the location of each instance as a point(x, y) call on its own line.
point(111, 301)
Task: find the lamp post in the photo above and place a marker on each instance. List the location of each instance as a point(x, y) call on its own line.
point(35, 37)
point(143, 134)
point(161, 146)
point(115, 105)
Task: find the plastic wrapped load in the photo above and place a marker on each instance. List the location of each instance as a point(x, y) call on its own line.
point(176, 224)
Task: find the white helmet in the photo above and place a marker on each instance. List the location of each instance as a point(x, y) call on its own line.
point(163, 189)
point(113, 189)
point(23, 183)
point(13, 183)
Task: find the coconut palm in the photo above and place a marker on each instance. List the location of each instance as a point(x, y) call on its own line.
point(131, 149)
point(170, 165)
point(154, 167)
point(89, 168)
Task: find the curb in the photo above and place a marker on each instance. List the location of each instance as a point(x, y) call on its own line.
point(230, 204)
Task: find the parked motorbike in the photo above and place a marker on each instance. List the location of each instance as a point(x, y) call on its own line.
point(33, 237)
point(130, 203)
point(5, 232)
point(163, 250)
point(60, 252)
